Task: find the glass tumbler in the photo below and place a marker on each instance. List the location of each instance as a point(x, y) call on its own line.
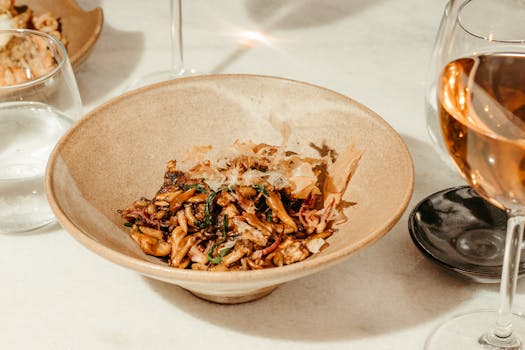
point(39, 100)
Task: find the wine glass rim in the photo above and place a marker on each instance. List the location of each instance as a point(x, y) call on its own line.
point(60, 62)
point(487, 38)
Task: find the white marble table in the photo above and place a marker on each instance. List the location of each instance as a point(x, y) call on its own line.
point(55, 294)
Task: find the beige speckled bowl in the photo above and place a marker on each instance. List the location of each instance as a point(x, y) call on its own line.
point(81, 28)
point(118, 152)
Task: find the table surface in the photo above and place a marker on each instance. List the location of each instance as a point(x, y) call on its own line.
point(55, 294)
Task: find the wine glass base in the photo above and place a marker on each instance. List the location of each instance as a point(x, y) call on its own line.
point(463, 333)
point(157, 77)
point(462, 233)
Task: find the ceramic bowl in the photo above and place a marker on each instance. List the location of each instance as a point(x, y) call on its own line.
point(118, 152)
point(81, 28)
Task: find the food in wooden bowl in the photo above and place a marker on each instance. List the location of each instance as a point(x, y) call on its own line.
point(76, 28)
point(245, 207)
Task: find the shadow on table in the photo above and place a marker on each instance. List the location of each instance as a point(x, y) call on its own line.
point(277, 15)
point(118, 63)
point(50, 228)
point(292, 14)
point(385, 288)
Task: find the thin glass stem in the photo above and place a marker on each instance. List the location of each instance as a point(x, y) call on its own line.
point(177, 57)
point(502, 336)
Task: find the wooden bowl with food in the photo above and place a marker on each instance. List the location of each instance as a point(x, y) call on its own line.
point(229, 185)
point(75, 27)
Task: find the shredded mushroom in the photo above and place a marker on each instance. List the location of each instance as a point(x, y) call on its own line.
point(256, 208)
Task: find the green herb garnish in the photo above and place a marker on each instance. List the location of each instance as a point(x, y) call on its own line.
point(223, 252)
point(198, 187)
point(207, 210)
point(128, 224)
point(269, 214)
point(262, 189)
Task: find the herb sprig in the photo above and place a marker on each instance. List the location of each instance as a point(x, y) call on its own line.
point(223, 252)
point(208, 207)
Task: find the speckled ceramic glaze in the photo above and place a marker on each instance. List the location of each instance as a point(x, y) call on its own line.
point(118, 153)
point(81, 28)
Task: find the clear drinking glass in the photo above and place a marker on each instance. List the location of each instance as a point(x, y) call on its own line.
point(39, 100)
point(480, 105)
point(177, 53)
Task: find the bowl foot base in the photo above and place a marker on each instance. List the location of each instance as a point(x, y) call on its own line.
point(235, 299)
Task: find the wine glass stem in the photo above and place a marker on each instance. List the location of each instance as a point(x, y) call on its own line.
point(177, 58)
point(509, 276)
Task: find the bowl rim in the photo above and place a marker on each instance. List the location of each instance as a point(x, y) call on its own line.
point(166, 272)
point(78, 57)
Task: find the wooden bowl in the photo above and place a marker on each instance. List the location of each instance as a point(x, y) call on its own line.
point(81, 28)
point(118, 152)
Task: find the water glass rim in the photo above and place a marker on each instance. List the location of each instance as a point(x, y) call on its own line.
point(61, 61)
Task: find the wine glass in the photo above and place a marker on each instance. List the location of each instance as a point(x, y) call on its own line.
point(177, 54)
point(477, 251)
point(436, 64)
point(39, 100)
point(480, 101)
